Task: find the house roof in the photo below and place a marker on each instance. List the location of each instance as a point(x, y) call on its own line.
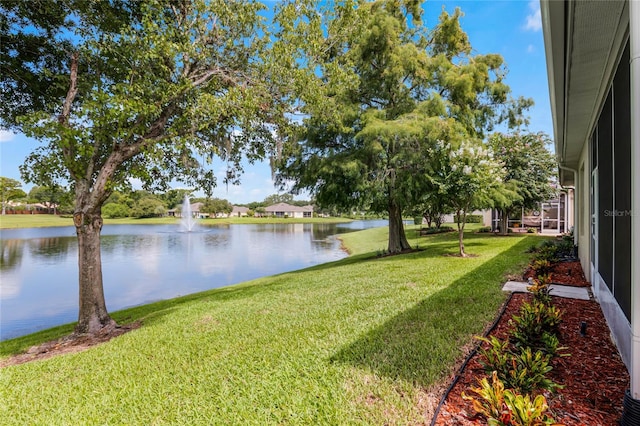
point(582, 45)
point(195, 207)
point(240, 209)
point(284, 207)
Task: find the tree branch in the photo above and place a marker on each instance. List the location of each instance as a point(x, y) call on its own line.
point(67, 149)
point(63, 118)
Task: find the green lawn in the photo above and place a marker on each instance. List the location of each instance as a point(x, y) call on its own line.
point(358, 341)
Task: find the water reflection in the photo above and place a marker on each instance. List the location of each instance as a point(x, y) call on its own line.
point(11, 254)
point(39, 272)
point(51, 249)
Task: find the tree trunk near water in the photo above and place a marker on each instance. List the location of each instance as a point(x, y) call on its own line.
point(93, 317)
point(397, 237)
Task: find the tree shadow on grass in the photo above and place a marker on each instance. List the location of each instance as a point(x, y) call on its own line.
point(422, 344)
point(155, 312)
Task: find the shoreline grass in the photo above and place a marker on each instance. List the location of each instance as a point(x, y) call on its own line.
point(44, 220)
point(359, 341)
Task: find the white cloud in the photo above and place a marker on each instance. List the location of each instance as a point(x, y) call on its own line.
point(6, 136)
point(534, 19)
point(531, 48)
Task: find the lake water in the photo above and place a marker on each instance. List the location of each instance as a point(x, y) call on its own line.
point(146, 263)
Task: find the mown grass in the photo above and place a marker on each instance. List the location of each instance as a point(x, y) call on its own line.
point(45, 220)
point(358, 341)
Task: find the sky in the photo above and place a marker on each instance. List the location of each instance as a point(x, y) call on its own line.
point(511, 28)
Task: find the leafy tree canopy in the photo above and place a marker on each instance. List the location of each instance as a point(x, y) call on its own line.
point(385, 90)
point(278, 198)
point(530, 171)
point(10, 189)
point(124, 89)
point(468, 176)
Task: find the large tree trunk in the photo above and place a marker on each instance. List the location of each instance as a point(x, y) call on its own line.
point(397, 238)
point(93, 317)
point(504, 222)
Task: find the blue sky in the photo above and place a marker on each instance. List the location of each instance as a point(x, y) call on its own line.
point(511, 28)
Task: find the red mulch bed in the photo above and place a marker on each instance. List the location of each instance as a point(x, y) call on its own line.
point(594, 376)
point(565, 273)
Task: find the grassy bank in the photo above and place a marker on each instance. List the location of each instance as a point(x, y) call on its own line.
point(45, 220)
point(358, 341)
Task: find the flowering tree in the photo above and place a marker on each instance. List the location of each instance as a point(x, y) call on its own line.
point(530, 168)
point(466, 173)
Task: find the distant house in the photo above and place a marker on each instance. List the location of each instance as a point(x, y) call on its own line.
point(239, 211)
point(287, 210)
point(486, 217)
point(195, 211)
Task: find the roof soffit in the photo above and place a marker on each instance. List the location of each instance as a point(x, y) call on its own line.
point(583, 41)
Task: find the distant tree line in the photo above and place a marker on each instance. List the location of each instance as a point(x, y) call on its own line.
point(135, 203)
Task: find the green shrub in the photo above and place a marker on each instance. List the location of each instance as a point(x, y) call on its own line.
point(550, 344)
point(525, 412)
point(534, 320)
point(491, 404)
point(565, 247)
point(434, 230)
point(523, 370)
point(485, 229)
point(471, 218)
point(541, 288)
point(547, 252)
point(541, 267)
point(115, 210)
point(529, 372)
point(531, 230)
point(504, 407)
point(497, 357)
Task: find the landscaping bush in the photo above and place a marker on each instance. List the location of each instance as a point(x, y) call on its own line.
point(434, 230)
point(541, 289)
point(520, 364)
point(523, 370)
point(541, 267)
point(503, 407)
point(485, 229)
point(471, 218)
point(115, 210)
point(548, 252)
point(565, 248)
point(531, 230)
point(534, 321)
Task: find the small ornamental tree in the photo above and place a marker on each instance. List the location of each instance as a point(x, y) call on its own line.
point(530, 169)
point(10, 189)
point(467, 175)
